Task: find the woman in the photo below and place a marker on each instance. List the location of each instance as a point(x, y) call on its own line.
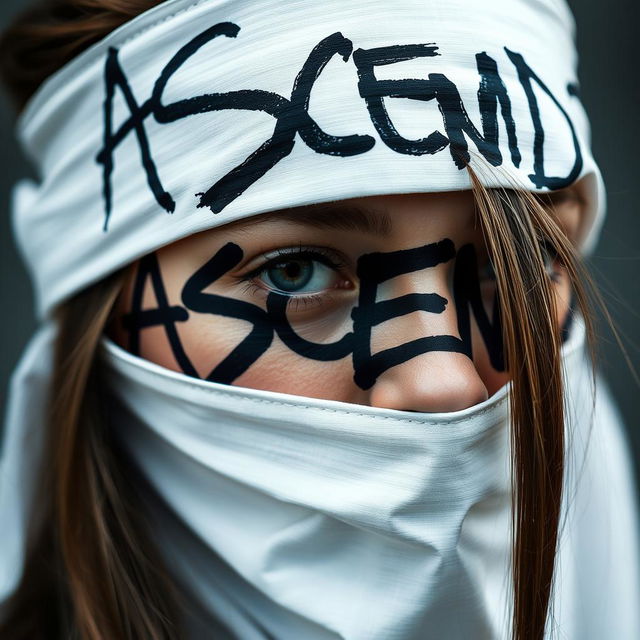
point(334, 243)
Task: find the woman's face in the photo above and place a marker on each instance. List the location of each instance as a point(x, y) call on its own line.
point(362, 301)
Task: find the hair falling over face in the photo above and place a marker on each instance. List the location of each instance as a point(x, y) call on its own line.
point(90, 557)
point(516, 229)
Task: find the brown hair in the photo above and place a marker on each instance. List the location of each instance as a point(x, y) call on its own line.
point(53, 32)
point(516, 228)
point(90, 556)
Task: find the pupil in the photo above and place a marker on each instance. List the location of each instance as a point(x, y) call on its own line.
point(291, 275)
point(292, 270)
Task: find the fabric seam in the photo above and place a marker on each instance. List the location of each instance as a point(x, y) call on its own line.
point(216, 392)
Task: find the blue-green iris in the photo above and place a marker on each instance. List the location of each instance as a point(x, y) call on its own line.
point(291, 275)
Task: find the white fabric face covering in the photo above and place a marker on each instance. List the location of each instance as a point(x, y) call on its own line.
point(286, 517)
point(297, 518)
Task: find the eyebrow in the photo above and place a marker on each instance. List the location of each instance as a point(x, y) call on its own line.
point(337, 216)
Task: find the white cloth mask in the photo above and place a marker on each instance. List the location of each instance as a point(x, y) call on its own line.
point(287, 517)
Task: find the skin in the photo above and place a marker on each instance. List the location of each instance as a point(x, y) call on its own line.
point(320, 310)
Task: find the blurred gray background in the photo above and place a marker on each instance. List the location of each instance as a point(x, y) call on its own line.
point(607, 41)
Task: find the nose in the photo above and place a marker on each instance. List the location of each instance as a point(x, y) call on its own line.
point(433, 382)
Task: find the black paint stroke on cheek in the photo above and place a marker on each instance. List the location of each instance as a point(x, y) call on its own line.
point(467, 295)
point(194, 298)
point(372, 270)
point(163, 315)
point(277, 308)
point(375, 268)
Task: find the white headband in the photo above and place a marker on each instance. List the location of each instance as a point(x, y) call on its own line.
point(198, 113)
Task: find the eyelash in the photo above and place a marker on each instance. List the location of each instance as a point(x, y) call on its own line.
point(329, 259)
point(318, 254)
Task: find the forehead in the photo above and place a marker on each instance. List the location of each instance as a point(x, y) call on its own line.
point(353, 227)
point(372, 222)
point(381, 215)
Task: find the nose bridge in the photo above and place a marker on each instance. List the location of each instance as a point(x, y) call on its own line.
point(431, 292)
point(436, 381)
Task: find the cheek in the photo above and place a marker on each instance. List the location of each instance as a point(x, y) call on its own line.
point(212, 340)
point(283, 371)
point(208, 341)
point(494, 379)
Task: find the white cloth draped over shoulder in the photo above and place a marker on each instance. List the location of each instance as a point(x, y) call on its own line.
point(201, 112)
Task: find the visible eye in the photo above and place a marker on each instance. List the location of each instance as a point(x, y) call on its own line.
point(486, 271)
point(549, 255)
point(298, 275)
point(300, 272)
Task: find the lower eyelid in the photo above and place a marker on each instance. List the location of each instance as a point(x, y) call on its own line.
point(296, 301)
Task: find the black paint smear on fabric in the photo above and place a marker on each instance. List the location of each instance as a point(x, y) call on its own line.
point(374, 91)
point(538, 177)
point(115, 77)
point(292, 115)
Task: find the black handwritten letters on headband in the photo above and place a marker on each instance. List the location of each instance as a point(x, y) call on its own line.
point(292, 116)
point(373, 269)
